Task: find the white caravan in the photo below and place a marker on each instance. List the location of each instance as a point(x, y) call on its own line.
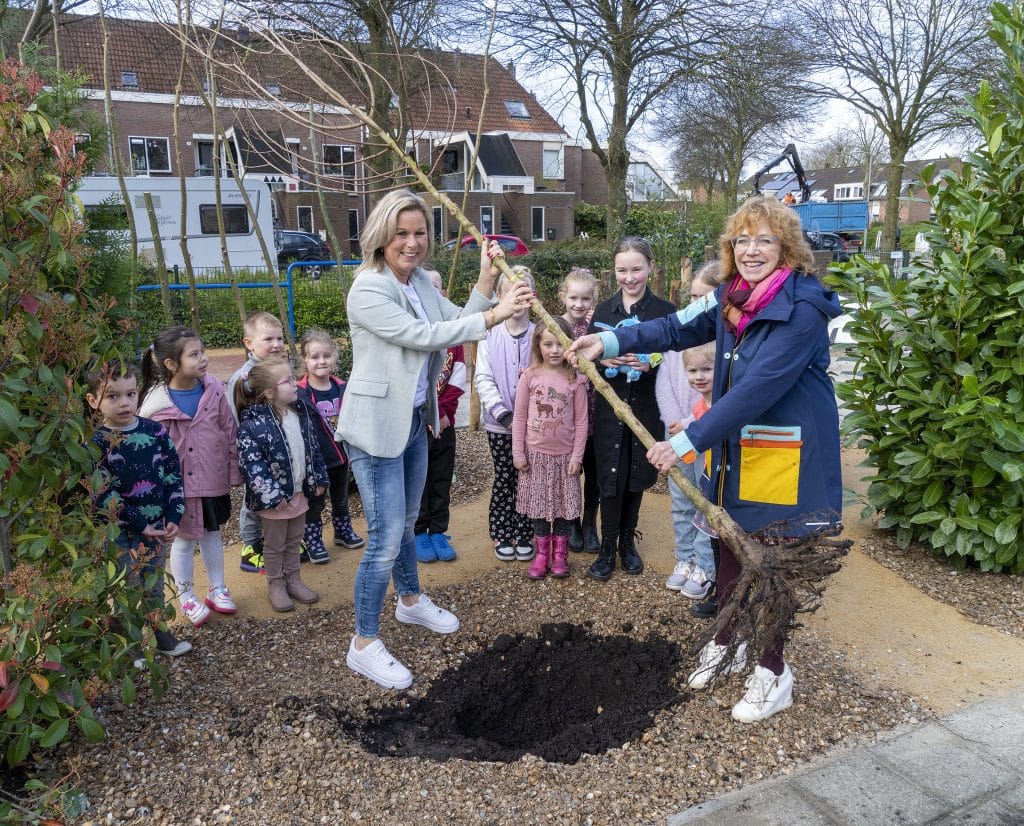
point(201, 232)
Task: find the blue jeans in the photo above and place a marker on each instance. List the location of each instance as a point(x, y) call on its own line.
point(691, 543)
point(390, 490)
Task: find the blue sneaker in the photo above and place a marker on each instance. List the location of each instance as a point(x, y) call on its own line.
point(442, 546)
point(425, 548)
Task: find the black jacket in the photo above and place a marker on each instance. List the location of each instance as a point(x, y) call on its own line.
point(639, 395)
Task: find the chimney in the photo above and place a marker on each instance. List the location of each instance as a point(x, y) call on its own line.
point(511, 68)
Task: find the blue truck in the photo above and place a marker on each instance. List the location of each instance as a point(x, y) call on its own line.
point(834, 216)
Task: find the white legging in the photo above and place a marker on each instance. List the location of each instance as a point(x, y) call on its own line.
point(183, 567)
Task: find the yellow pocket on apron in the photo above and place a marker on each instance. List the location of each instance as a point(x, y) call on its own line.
point(770, 464)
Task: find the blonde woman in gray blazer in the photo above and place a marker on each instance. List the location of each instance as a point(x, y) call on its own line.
point(400, 327)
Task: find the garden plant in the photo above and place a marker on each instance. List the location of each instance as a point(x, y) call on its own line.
point(68, 621)
point(938, 397)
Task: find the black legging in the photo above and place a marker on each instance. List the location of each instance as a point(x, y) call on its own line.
point(621, 511)
point(541, 527)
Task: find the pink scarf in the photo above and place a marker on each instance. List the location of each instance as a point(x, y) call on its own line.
point(743, 302)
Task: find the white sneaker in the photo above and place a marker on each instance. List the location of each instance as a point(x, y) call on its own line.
point(506, 553)
point(376, 662)
point(697, 585)
point(425, 613)
point(524, 553)
point(219, 599)
point(195, 611)
point(678, 577)
point(767, 694)
point(710, 656)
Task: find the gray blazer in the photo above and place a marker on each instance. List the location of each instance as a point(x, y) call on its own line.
point(390, 343)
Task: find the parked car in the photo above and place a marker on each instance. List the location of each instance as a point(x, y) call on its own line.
point(293, 245)
point(510, 243)
point(829, 242)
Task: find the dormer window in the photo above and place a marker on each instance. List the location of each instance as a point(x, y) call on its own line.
point(129, 80)
point(516, 109)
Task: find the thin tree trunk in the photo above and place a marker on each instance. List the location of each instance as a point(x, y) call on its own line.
point(158, 250)
point(186, 256)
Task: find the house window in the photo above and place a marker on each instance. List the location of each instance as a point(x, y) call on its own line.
point(274, 88)
point(304, 218)
point(340, 160)
point(516, 109)
point(204, 158)
point(129, 80)
point(513, 188)
point(537, 214)
point(236, 219)
point(554, 161)
point(353, 231)
point(849, 192)
point(150, 155)
point(81, 142)
point(487, 220)
point(438, 215)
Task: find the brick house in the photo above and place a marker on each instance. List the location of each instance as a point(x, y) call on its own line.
point(526, 179)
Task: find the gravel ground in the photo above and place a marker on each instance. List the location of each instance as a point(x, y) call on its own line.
point(252, 727)
point(264, 723)
point(996, 600)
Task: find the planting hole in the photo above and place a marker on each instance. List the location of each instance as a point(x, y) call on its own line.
point(559, 695)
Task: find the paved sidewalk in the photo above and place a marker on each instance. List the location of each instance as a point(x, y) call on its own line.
point(967, 768)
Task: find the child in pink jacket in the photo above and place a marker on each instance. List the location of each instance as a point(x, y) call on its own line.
point(192, 405)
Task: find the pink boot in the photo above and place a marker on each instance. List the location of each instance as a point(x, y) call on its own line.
point(539, 568)
point(560, 563)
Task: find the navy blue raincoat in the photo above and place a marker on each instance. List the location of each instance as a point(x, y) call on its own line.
point(773, 428)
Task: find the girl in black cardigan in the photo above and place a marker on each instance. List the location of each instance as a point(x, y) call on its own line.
point(623, 472)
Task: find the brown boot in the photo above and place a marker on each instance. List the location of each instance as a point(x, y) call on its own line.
point(296, 588)
point(276, 589)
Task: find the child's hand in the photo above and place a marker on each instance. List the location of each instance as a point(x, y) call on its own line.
point(521, 465)
point(674, 428)
point(153, 532)
point(575, 468)
point(170, 531)
point(320, 490)
point(445, 423)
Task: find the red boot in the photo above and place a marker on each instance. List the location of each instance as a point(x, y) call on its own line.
point(539, 567)
point(560, 563)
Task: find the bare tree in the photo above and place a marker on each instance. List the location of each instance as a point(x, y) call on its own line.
point(382, 36)
point(906, 64)
point(737, 107)
point(618, 58)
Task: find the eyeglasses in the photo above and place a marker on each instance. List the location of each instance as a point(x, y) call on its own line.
point(745, 242)
point(289, 380)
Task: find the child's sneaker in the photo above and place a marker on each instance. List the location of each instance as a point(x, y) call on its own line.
point(442, 546)
point(524, 551)
point(219, 599)
point(425, 548)
point(506, 553)
point(195, 611)
point(677, 579)
point(252, 558)
point(169, 645)
point(697, 586)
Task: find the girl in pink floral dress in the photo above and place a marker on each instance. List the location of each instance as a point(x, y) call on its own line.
point(549, 434)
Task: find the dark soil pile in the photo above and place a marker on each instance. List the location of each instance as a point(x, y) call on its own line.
point(558, 695)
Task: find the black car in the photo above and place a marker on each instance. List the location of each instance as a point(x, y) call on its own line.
point(829, 242)
point(293, 245)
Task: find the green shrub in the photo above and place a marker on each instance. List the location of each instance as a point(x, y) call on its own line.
point(938, 400)
point(61, 589)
